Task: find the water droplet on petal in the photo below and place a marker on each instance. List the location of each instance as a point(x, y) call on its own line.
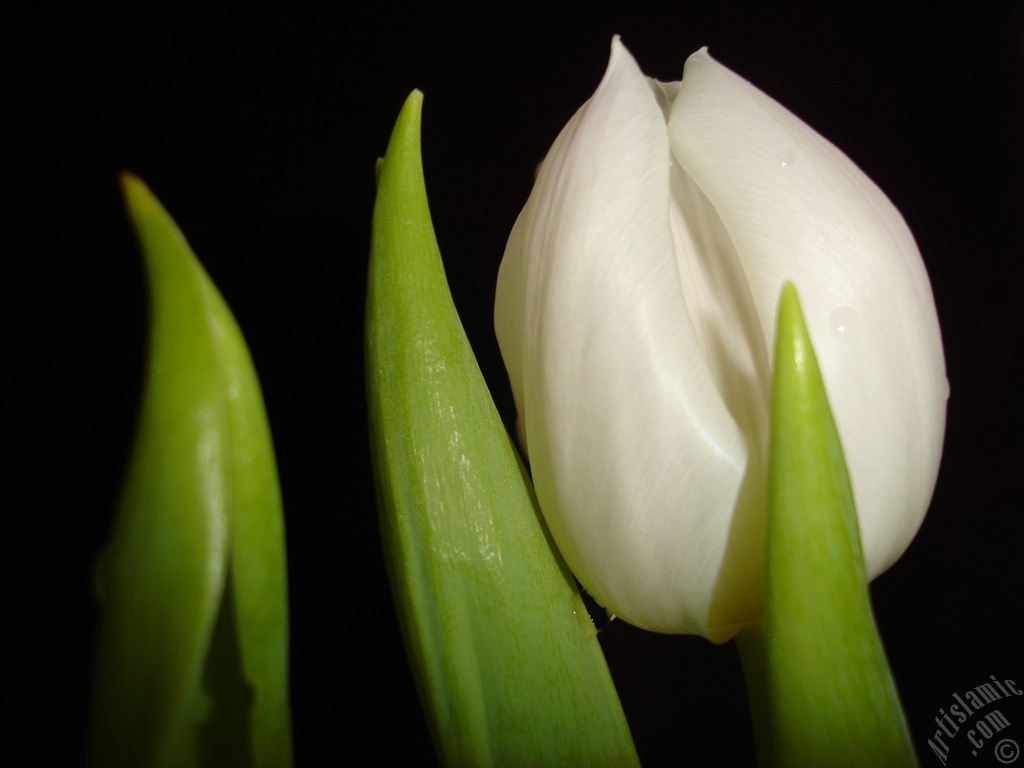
point(842, 320)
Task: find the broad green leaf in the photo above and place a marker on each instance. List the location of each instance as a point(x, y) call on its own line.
point(829, 693)
point(192, 661)
point(506, 661)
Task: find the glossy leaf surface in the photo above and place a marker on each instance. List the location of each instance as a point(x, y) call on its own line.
point(506, 660)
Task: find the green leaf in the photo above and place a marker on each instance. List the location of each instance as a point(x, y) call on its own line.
point(830, 696)
point(506, 661)
point(192, 661)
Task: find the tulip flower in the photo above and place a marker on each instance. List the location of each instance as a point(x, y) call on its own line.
point(636, 311)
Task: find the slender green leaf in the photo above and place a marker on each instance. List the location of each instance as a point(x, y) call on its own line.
point(505, 658)
point(830, 696)
point(193, 647)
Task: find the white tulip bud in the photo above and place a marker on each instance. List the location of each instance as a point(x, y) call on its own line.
point(636, 310)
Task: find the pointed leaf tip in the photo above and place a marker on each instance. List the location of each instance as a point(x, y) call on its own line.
point(488, 611)
point(831, 698)
point(192, 654)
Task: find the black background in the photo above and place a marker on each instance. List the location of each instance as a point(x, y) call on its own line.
point(259, 129)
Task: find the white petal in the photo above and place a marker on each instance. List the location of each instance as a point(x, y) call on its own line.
point(796, 208)
point(637, 460)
